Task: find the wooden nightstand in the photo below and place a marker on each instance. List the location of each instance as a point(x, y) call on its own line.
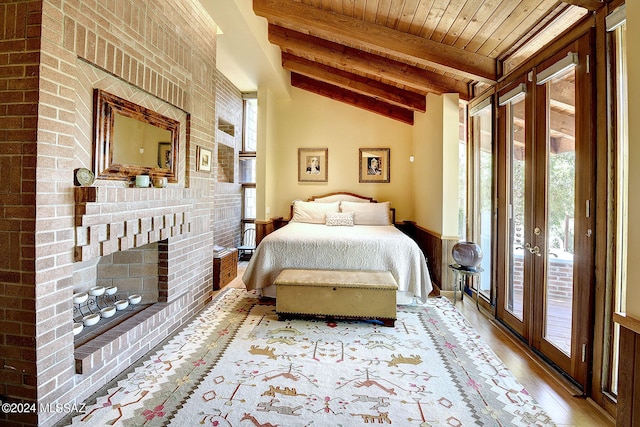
point(225, 267)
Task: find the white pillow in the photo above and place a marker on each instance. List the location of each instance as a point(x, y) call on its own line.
point(368, 213)
point(312, 212)
point(339, 218)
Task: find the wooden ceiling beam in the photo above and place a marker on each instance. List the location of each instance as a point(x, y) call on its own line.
point(343, 57)
point(354, 99)
point(355, 32)
point(354, 82)
point(591, 5)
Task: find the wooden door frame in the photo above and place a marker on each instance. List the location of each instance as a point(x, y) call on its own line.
point(584, 227)
point(604, 226)
point(583, 306)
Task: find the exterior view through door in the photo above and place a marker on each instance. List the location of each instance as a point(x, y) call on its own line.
point(545, 226)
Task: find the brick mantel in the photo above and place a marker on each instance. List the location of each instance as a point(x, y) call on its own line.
point(109, 219)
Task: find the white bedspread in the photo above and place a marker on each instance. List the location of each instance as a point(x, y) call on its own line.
point(361, 247)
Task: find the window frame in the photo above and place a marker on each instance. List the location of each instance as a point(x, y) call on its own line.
point(247, 222)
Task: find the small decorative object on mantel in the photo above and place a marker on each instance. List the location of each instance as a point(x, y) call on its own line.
point(83, 177)
point(160, 181)
point(142, 181)
point(467, 255)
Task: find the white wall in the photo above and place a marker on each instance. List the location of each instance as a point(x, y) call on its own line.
point(312, 121)
point(267, 133)
point(435, 170)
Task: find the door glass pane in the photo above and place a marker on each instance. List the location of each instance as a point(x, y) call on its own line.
point(560, 196)
point(484, 136)
point(516, 135)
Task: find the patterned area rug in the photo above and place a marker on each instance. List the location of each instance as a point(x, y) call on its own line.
point(237, 365)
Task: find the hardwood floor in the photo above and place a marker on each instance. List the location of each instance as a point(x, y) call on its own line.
point(553, 393)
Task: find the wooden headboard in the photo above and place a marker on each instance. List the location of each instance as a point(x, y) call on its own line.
point(344, 196)
point(340, 196)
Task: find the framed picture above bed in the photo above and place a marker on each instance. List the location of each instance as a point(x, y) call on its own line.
point(374, 164)
point(313, 164)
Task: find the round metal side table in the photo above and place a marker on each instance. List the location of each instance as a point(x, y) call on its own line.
point(460, 274)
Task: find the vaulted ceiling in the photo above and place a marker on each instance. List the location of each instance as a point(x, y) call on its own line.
point(386, 55)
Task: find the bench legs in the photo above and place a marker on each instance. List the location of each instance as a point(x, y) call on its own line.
point(388, 322)
point(286, 316)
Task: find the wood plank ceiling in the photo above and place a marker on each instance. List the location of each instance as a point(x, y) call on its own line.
point(386, 55)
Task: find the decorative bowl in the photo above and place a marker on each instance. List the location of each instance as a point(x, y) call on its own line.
point(83, 176)
point(96, 291)
point(111, 290)
point(467, 254)
point(77, 328)
point(91, 319)
point(80, 297)
point(135, 299)
point(122, 304)
point(107, 312)
point(160, 181)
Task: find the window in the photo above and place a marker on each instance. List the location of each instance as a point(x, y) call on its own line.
point(248, 161)
point(462, 172)
point(616, 24)
point(250, 135)
point(481, 207)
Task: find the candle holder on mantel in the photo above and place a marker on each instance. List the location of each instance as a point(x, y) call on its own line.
point(99, 303)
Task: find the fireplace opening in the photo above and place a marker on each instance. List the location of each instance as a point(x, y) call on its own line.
point(113, 288)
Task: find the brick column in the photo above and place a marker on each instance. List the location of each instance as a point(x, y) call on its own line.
point(19, 76)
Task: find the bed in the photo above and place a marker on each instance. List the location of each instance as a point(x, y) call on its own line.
point(340, 231)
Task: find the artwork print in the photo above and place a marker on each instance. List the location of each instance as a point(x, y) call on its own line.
point(164, 155)
point(374, 165)
point(203, 161)
point(312, 164)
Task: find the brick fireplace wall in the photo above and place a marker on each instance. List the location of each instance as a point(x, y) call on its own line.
point(228, 192)
point(162, 48)
point(19, 95)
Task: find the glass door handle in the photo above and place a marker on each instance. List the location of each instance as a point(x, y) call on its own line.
point(533, 249)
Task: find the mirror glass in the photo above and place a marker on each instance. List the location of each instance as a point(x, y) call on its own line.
point(147, 145)
point(133, 140)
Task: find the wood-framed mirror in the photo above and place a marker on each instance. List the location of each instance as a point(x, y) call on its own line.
point(132, 140)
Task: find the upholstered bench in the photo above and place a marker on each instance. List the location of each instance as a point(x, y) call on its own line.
point(337, 293)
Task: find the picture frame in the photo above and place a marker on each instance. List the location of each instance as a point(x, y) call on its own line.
point(374, 165)
point(313, 164)
point(164, 155)
point(203, 159)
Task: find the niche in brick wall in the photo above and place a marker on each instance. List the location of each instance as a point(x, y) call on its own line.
point(225, 163)
point(226, 127)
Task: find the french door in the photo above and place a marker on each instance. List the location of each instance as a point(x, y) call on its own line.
point(546, 205)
